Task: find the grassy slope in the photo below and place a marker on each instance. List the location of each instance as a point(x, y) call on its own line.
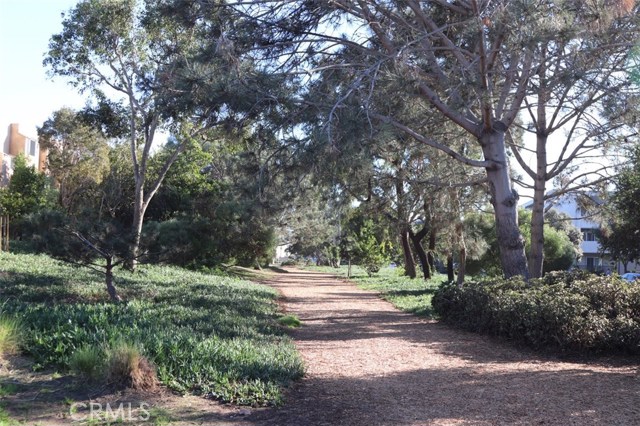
point(404, 293)
point(207, 334)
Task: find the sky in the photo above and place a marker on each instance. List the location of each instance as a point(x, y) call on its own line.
point(27, 95)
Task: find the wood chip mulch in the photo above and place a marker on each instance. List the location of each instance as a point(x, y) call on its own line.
point(369, 364)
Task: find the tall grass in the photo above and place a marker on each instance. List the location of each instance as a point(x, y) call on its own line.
point(205, 334)
point(11, 332)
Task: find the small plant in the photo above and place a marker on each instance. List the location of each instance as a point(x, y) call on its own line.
point(88, 361)
point(7, 389)
point(10, 335)
point(159, 417)
point(126, 366)
point(290, 321)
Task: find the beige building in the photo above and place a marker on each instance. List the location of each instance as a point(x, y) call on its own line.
point(15, 143)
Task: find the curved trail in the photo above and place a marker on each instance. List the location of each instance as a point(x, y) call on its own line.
point(369, 364)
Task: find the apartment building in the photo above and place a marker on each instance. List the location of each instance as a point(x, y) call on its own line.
point(15, 143)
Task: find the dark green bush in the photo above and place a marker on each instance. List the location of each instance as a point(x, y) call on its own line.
point(573, 311)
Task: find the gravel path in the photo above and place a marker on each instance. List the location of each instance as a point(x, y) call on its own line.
point(369, 364)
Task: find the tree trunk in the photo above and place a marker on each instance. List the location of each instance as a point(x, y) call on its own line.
point(432, 250)
point(536, 256)
point(450, 274)
point(505, 204)
point(111, 289)
point(409, 264)
point(416, 239)
point(462, 254)
point(459, 236)
point(349, 269)
point(136, 229)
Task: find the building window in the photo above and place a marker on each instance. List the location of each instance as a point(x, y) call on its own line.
point(588, 234)
point(593, 263)
point(32, 148)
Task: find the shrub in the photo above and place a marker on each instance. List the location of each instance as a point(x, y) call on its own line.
point(127, 367)
point(10, 335)
point(290, 321)
point(89, 362)
point(573, 311)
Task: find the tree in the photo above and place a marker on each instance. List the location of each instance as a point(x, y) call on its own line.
point(78, 156)
point(578, 106)
point(472, 63)
point(125, 48)
point(559, 250)
point(83, 240)
point(622, 235)
point(28, 190)
point(365, 243)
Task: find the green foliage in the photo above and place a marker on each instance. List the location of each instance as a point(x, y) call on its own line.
point(290, 321)
point(78, 156)
point(11, 334)
point(88, 362)
point(561, 244)
point(365, 243)
point(206, 334)
point(573, 311)
point(28, 190)
point(622, 237)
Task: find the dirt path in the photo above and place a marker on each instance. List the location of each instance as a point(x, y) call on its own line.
point(369, 364)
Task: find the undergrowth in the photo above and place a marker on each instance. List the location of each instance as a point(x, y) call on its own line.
point(205, 334)
point(569, 311)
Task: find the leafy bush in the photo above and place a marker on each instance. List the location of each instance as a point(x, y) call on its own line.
point(573, 311)
point(206, 334)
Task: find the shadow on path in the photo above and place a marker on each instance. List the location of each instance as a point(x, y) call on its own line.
point(369, 364)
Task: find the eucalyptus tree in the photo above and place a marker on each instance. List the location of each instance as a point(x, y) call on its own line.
point(145, 63)
point(78, 156)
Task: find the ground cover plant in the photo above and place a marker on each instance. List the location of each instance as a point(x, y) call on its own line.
point(207, 334)
point(569, 311)
point(406, 294)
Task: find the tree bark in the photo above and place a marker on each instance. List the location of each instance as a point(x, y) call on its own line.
point(416, 239)
point(462, 254)
point(111, 289)
point(450, 274)
point(459, 236)
point(409, 264)
point(432, 250)
point(505, 204)
point(139, 209)
point(536, 255)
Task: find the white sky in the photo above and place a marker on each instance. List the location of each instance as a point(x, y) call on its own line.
point(27, 96)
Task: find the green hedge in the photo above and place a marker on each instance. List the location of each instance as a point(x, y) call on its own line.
point(573, 311)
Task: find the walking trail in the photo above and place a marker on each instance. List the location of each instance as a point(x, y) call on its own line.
point(369, 364)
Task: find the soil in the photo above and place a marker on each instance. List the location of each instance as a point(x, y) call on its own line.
point(369, 364)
